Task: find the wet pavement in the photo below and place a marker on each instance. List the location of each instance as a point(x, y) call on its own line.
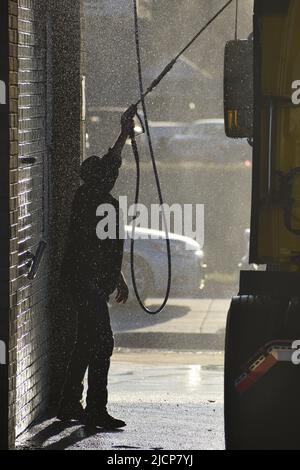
point(166, 382)
point(170, 400)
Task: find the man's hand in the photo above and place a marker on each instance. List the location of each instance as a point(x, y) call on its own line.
point(127, 121)
point(122, 291)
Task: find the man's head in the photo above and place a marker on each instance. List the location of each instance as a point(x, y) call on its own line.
point(101, 172)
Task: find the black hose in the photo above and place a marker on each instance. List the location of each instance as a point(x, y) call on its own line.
point(138, 179)
point(143, 95)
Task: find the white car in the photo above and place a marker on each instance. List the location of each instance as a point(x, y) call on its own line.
point(151, 268)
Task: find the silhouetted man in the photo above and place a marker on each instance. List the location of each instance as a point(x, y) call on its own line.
point(93, 270)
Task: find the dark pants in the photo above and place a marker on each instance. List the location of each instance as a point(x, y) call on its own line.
point(93, 349)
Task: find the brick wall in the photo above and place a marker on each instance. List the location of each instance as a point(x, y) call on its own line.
point(4, 215)
point(29, 319)
point(45, 151)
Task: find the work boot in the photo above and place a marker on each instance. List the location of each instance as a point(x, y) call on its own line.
point(70, 412)
point(102, 420)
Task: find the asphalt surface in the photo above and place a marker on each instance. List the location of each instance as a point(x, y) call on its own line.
point(170, 398)
point(170, 401)
point(185, 324)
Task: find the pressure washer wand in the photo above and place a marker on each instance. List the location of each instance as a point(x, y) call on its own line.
point(171, 64)
point(156, 82)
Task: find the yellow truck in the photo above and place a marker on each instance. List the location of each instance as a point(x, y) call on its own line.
point(261, 96)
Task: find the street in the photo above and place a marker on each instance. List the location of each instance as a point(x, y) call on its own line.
point(197, 324)
point(171, 398)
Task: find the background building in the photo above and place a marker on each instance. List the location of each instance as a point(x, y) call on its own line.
point(165, 28)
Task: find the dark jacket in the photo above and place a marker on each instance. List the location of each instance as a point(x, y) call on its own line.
point(90, 263)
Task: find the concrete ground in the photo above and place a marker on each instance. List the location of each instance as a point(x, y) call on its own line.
point(170, 397)
point(196, 324)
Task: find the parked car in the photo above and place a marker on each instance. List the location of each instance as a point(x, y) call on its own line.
point(151, 269)
point(205, 140)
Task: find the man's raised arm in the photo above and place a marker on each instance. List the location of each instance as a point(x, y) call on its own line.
point(127, 125)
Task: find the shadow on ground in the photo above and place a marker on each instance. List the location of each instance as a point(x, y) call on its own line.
point(131, 317)
point(57, 428)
